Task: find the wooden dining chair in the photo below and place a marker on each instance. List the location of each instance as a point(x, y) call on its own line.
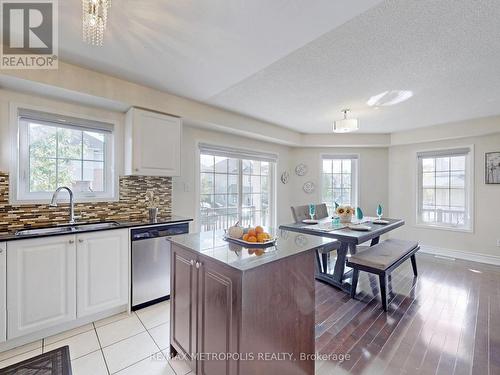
point(300, 213)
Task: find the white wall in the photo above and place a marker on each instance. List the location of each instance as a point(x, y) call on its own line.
point(373, 181)
point(402, 197)
point(373, 175)
point(71, 82)
point(184, 197)
point(386, 175)
point(184, 202)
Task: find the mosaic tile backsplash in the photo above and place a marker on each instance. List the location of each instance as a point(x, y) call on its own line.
point(130, 207)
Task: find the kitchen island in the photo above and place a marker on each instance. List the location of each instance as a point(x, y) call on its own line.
point(238, 310)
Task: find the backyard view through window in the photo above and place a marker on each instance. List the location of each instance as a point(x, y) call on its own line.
point(339, 181)
point(62, 157)
point(52, 154)
point(234, 190)
point(444, 190)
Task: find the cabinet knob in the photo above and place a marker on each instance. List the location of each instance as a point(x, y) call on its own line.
point(80, 240)
point(71, 241)
point(198, 264)
point(192, 262)
point(1, 250)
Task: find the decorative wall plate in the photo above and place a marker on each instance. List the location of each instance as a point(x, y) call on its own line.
point(301, 170)
point(285, 176)
point(308, 187)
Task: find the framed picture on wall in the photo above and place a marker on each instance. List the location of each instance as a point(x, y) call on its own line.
point(492, 172)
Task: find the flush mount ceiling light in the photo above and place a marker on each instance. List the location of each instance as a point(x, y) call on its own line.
point(388, 98)
point(345, 125)
point(95, 17)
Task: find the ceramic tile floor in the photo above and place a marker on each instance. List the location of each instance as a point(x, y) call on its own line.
point(135, 344)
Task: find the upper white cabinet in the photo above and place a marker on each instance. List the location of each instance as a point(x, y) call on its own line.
point(102, 269)
point(3, 292)
point(152, 143)
point(41, 284)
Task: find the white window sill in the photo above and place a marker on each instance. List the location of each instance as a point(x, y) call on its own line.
point(445, 228)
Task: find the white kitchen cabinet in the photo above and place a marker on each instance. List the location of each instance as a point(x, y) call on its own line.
point(152, 143)
point(41, 284)
point(102, 271)
point(3, 292)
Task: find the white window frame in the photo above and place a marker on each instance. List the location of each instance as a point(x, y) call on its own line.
point(469, 189)
point(238, 153)
point(355, 158)
point(18, 174)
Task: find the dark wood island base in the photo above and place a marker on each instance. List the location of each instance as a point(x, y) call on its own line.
point(236, 313)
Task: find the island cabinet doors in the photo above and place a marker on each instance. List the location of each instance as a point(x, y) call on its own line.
point(205, 310)
point(219, 310)
point(183, 306)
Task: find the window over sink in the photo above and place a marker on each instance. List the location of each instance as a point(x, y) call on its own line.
point(55, 150)
point(235, 185)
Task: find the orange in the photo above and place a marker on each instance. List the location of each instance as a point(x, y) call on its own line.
point(261, 237)
point(251, 232)
point(259, 252)
point(252, 239)
point(259, 229)
point(245, 237)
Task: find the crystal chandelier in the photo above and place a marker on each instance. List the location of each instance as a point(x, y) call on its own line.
point(95, 16)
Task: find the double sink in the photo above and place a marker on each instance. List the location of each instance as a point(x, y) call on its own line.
point(67, 229)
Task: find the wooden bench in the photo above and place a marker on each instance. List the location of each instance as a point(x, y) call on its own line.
point(381, 260)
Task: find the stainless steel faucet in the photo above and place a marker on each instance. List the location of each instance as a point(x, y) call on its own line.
point(53, 202)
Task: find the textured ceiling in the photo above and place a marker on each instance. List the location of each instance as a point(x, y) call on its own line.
point(299, 63)
point(447, 52)
point(197, 48)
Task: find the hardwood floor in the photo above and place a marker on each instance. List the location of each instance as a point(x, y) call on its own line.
point(445, 321)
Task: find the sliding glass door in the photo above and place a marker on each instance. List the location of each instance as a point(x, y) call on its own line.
point(235, 189)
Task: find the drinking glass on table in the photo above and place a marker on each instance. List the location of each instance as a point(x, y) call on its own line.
point(312, 211)
point(380, 211)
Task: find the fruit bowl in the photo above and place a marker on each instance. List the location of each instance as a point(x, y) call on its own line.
point(238, 241)
point(251, 237)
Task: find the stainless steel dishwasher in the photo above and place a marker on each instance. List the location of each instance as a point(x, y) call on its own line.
point(151, 263)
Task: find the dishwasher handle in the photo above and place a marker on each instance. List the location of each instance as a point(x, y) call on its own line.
point(159, 231)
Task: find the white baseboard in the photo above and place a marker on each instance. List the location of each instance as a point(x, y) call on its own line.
point(450, 253)
point(47, 332)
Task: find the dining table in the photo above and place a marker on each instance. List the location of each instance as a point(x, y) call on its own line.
point(350, 239)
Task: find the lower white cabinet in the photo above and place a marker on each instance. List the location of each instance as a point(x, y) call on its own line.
point(3, 292)
point(102, 271)
point(41, 284)
point(59, 279)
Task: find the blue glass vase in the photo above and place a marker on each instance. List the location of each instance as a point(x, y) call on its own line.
point(312, 211)
point(380, 211)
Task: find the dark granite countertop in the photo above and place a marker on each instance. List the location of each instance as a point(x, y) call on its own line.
point(10, 236)
point(212, 245)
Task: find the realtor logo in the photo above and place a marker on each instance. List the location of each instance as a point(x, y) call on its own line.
point(29, 34)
